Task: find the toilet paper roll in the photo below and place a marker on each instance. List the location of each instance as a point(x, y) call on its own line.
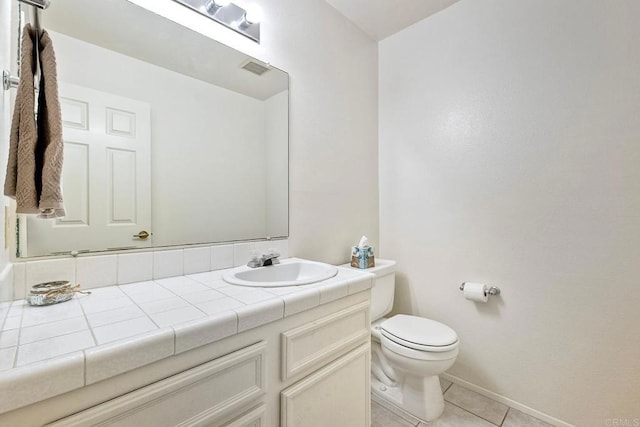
point(476, 292)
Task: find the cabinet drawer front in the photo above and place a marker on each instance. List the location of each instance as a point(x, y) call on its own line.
point(310, 346)
point(336, 395)
point(195, 397)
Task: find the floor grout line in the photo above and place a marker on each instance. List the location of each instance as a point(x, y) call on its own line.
point(505, 415)
point(475, 415)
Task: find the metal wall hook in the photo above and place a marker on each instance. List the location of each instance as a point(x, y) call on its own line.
point(9, 81)
point(493, 290)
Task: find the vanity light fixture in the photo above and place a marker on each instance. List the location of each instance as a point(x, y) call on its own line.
point(232, 16)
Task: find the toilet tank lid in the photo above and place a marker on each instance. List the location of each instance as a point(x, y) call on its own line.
point(419, 330)
point(383, 267)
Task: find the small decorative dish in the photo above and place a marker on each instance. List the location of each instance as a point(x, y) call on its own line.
point(52, 292)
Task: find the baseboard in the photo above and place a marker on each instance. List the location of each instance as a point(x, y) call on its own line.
point(395, 410)
point(509, 402)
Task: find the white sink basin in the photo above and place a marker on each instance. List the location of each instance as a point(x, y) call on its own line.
point(288, 273)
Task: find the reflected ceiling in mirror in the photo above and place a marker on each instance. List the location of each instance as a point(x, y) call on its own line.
point(166, 132)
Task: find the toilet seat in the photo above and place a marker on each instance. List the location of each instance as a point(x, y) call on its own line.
point(418, 333)
point(420, 355)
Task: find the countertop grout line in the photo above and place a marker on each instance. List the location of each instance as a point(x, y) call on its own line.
point(175, 308)
point(4, 319)
point(54, 357)
point(15, 355)
point(141, 309)
point(86, 319)
point(54, 336)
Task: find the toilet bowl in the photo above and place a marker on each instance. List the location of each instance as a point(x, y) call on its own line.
point(418, 350)
point(408, 352)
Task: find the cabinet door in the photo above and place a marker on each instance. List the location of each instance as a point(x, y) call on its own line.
point(336, 395)
point(200, 396)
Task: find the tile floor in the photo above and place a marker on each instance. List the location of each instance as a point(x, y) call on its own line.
point(463, 408)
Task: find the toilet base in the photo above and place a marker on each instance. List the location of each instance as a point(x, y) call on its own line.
point(382, 400)
point(420, 397)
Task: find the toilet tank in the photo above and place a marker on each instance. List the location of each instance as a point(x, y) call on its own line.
point(383, 289)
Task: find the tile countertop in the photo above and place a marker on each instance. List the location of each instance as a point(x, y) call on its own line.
point(50, 350)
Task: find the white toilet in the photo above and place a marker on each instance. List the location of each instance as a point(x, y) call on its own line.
point(408, 352)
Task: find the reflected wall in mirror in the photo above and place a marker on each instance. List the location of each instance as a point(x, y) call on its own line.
point(166, 131)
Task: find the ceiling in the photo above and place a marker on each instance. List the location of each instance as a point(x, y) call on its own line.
point(382, 18)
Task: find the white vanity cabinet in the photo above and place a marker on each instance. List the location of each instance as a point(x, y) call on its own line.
point(308, 369)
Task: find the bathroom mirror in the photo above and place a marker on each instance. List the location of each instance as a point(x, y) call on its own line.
point(167, 133)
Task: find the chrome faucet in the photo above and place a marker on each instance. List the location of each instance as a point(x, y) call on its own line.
point(266, 259)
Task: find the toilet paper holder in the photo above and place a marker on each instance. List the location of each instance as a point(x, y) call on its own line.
point(493, 290)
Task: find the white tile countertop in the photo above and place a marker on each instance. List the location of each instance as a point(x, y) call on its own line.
point(50, 350)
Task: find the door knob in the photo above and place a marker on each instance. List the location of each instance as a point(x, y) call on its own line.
point(142, 235)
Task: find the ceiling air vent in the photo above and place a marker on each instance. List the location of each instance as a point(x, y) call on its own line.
point(256, 67)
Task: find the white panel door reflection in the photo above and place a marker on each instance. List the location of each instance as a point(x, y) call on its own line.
point(106, 179)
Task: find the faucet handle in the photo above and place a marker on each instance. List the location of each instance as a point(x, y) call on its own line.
point(272, 253)
point(271, 257)
point(255, 258)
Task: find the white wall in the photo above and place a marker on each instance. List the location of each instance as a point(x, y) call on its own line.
point(333, 118)
point(510, 154)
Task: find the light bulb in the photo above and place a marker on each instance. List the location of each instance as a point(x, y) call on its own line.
point(212, 6)
point(253, 15)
